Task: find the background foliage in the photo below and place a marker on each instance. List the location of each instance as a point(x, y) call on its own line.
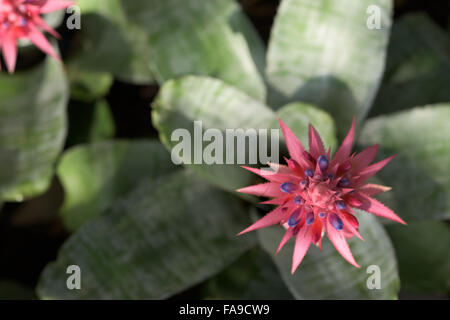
point(86, 173)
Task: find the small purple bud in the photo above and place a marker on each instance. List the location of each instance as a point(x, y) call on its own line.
point(288, 187)
point(294, 219)
point(322, 214)
point(344, 182)
point(340, 205)
point(336, 222)
point(304, 183)
point(309, 218)
point(330, 176)
point(323, 162)
point(309, 173)
point(298, 200)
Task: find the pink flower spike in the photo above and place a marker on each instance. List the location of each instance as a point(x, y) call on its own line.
point(21, 19)
point(315, 195)
point(316, 148)
point(293, 144)
point(346, 146)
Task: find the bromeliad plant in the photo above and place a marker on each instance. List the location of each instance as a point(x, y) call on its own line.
point(315, 194)
point(144, 228)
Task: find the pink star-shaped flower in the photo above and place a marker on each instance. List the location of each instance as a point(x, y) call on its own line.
point(315, 194)
point(22, 19)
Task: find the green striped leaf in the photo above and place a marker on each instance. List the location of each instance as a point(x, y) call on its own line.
point(96, 174)
point(212, 38)
point(322, 52)
point(32, 129)
point(164, 237)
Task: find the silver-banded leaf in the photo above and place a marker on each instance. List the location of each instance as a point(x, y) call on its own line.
point(327, 275)
point(417, 67)
point(32, 128)
point(323, 52)
point(423, 254)
point(251, 277)
point(218, 106)
point(109, 43)
point(96, 174)
point(212, 38)
point(298, 116)
point(419, 175)
point(166, 236)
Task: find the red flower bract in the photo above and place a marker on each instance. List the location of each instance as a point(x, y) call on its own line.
point(21, 19)
point(315, 194)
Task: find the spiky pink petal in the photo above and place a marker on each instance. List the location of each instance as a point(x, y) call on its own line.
point(377, 208)
point(21, 19)
point(364, 158)
point(293, 144)
point(9, 49)
point(346, 147)
point(269, 219)
point(316, 196)
point(269, 189)
point(315, 143)
point(339, 241)
point(302, 244)
point(373, 169)
point(287, 236)
point(371, 189)
point(272, 176)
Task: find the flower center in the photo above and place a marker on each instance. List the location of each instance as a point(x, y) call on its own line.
point(321, 195)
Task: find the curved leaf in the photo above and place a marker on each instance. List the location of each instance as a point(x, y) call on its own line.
point(201, 38)
point(220, 106)
point(94, 175)
point(323, 53)
point(326, 275)
point(167, 235)
point(181, 102)
point(108, 42)
point(417, 67)
point(32, 129)
point(419, 176)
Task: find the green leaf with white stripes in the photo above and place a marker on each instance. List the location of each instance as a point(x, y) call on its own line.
point(167, 235)
point(197, 37)
point(323, 52)
point(222, 107)
point(96, 174)
point(218, 106)
point(32, 128)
